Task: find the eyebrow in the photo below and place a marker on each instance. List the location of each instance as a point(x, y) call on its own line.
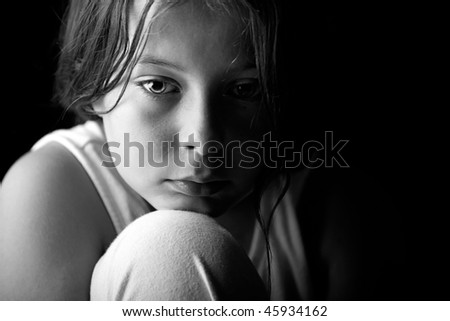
point(165, 63)
point(159, 62)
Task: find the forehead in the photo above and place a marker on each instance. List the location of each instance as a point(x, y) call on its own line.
point(210, 8)
point(192, 29)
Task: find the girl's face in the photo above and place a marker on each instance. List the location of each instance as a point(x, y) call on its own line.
point(193, 85)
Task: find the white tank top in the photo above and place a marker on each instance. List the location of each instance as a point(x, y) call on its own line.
point(289, 271)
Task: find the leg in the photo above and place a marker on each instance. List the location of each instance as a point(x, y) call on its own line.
point(175, 255)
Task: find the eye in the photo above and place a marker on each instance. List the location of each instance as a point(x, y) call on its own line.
point(159, 86)
point(247, 89)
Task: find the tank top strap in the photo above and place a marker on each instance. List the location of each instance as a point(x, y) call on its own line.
point(86, 143)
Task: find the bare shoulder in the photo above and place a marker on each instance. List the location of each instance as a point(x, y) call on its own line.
point(53, 227)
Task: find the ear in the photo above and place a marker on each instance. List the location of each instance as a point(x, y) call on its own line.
point(77, 65)
point(99, 108)
point(106, 103)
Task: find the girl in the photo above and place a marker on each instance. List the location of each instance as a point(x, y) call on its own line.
point(131, 205)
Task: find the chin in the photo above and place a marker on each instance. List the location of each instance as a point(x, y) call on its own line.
point(202, 205)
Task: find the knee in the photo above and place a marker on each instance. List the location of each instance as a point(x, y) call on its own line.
point(168, 255)
point(168, 236)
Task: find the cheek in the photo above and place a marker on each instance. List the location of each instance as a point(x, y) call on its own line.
point(141, 149)
point(141, 146)
point(246, 165)
point(138, 117)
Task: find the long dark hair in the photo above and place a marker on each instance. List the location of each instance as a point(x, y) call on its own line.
point(97, 54)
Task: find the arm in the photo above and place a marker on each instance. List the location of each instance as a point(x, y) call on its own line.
point(52, 228)
point(355, 243)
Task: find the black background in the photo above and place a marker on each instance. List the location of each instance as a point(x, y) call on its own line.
point(365, 70)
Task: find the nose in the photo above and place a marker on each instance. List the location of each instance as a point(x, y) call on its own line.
point(198, 123)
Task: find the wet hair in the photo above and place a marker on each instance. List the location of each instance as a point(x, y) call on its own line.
point(97, 54)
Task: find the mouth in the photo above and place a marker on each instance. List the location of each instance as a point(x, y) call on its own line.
point(191, 188)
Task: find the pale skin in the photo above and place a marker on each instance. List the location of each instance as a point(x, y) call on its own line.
point(186, 84)
point(50, 241)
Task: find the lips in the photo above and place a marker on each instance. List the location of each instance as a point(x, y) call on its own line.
point(191, 188)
